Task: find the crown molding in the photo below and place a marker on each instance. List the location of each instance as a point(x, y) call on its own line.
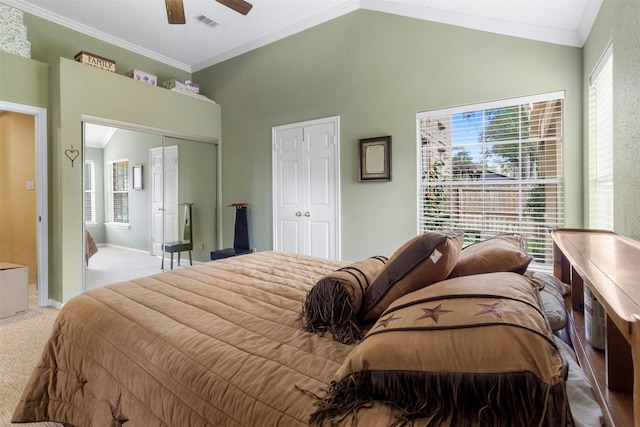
point(588, 19)
point(84, 29)
point(496, 26)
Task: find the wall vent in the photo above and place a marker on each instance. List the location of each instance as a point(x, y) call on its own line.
point(207, 21)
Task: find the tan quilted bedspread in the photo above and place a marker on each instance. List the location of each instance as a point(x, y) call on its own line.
point(216, 344)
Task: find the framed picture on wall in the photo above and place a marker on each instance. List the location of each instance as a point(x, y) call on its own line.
point(137, 177)
point(375, 158)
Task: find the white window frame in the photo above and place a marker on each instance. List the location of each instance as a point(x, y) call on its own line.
point(430, 128)
point(109, 193)
point(601, 196)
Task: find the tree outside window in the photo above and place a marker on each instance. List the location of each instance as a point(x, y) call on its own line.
point(494, 168)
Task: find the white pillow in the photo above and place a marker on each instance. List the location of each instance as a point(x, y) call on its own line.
point(584, 407)
point(554, 308)
point(552, 295)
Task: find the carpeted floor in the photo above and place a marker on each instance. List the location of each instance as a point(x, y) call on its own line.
point(22, 337)
point(116, 264)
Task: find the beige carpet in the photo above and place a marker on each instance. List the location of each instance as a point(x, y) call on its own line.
point(22, 339)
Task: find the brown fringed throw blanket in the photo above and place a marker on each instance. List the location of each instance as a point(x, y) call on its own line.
point(473, 350)
point(333, 303)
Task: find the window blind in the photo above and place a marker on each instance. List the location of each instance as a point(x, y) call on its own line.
point(89, 192)
point(118, 192)
point(494, 168)
point(601, 144)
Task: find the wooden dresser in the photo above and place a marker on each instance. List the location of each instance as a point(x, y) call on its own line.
point(609, 265)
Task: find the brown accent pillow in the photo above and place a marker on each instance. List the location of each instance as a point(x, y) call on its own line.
point(334, 301)
point(475, 350)
point(505, 252)
point(423, 260)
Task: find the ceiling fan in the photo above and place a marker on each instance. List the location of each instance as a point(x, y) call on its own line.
point(175, 9)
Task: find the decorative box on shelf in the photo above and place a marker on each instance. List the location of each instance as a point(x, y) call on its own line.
point(143, 77)
point(95, 61)
point(181, 84)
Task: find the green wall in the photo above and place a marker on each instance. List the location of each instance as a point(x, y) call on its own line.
point(85, 93)
point(23, 81)
point(375, 71)
point(618, 23)
point(69, 90)
point(133, 146)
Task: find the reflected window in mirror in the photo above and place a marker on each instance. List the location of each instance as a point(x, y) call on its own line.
point(118, 192)
point(89, 192)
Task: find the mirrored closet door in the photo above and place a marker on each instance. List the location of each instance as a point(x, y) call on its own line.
point(146, 195)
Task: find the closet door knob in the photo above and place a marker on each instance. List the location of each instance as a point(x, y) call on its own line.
point(298, 213)
point(307, 214)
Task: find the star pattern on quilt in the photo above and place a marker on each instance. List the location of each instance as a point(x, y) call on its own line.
point(116, 412)
point(81, 381)
point(433, 313)
point(495, 308)
point(385, 322)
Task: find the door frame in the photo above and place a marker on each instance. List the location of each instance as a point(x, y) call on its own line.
point(335, 120)
point(42, 196)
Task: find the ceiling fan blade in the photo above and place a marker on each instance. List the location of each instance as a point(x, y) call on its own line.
point(175, 11)
point(239, 6)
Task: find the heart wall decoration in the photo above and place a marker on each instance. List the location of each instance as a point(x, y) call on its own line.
point(71, 154)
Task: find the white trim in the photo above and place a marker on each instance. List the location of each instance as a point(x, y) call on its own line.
point(146, 129)
point(42, 202)
point(122, 225)
point(53, 303)
point(608, 52)
point(588, 19)
point(481, 23)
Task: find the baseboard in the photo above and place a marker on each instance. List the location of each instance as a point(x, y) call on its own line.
point(55, 304)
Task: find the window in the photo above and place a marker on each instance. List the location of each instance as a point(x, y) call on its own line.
point(601, 144)
point(117, 192)
point(89, 192)
point(494, 168)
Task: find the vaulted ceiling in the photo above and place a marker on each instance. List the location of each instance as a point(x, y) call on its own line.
point(141, 25)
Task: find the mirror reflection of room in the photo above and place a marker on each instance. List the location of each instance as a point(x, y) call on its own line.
point(128, 225)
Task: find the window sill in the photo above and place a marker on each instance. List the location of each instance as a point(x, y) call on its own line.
point(121, 225)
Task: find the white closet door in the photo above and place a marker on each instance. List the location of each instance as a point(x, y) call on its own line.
point(305, 184)
point(164, 193)
point(319, 214)
point(289, 190)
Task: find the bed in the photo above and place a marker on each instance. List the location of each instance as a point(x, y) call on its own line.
point(215, 344)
